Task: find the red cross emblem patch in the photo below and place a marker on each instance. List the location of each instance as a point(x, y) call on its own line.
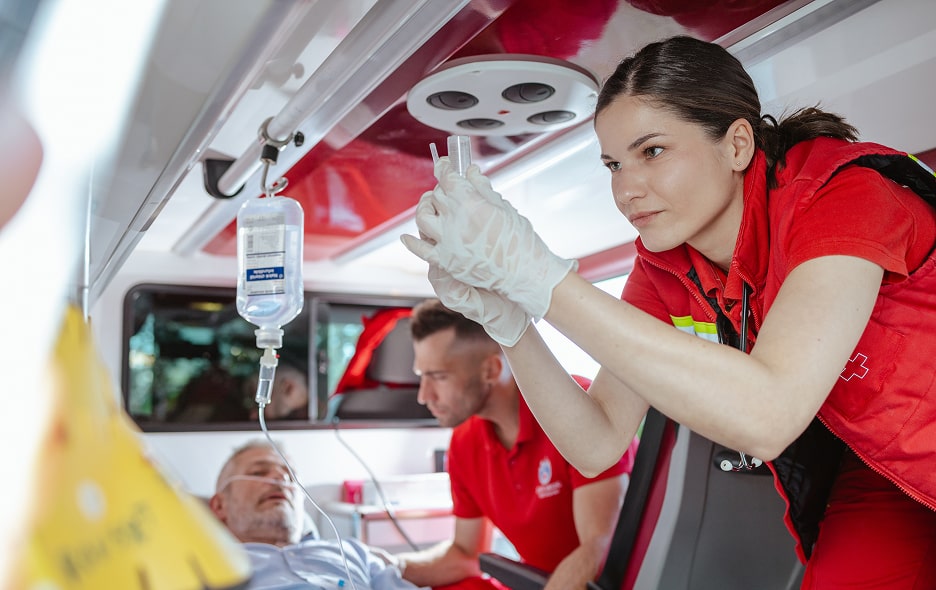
point(855, 368)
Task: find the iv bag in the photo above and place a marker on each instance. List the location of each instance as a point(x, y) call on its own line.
point(269, 265)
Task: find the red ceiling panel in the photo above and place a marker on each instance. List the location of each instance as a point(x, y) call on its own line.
point(379, 175)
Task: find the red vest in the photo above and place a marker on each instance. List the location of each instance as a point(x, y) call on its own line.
point(884, 404)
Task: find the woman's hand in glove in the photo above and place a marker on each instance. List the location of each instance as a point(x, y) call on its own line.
point(469, 231)
point(503, 320)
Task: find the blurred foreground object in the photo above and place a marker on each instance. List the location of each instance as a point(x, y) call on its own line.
point(105, 517)
point(20, 163)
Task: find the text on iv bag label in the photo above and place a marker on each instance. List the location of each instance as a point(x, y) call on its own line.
point(264, 254)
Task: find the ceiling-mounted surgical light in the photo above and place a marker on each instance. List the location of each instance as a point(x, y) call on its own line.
point(504, 95)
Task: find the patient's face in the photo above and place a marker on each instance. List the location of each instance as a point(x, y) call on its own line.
point(267, 510)
point(450, 378)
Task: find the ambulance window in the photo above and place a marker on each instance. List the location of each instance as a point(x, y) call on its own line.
point(569, 355)
point(190, 361)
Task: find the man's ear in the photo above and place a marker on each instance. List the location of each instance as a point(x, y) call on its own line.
point(216, 503)
point(493, 366)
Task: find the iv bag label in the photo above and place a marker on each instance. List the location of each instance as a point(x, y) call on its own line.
point(264, 255)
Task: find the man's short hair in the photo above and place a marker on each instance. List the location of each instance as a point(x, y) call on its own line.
point(430, 316)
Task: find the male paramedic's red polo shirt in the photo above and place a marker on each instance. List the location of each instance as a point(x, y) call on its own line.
point(525, 491)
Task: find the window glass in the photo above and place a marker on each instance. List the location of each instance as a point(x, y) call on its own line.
point(572, 358)
point(190, 358)
point(338, 327)
point(191, 362)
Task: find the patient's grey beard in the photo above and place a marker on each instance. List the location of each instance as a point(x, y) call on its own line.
point(278, 526)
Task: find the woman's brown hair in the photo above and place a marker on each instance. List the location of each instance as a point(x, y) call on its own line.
point(702, 83)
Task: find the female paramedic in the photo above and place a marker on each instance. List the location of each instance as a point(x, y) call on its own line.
point(802, 249)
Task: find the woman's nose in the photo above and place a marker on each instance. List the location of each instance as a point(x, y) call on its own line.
point(626, 188)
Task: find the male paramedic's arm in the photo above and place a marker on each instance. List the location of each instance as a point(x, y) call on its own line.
point(595, 507)
point(449, 561)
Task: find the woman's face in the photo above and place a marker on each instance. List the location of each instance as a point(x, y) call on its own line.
point(671, 181)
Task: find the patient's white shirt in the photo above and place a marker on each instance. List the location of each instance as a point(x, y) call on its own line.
point(317, 565)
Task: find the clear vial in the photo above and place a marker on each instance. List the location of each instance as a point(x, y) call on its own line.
point(459, 152)
point(269, 264)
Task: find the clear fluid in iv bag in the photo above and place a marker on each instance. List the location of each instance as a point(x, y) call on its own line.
point(269, 261)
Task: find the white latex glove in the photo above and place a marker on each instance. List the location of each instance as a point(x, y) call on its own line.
point(471, 232)
point(503, 320)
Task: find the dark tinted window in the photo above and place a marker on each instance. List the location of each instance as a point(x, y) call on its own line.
point(190, 361)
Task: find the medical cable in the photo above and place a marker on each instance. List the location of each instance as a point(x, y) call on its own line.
point(388, 508)
point(295, 478)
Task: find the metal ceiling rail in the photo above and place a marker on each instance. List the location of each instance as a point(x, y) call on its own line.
point(275, 21)
point(388, 34)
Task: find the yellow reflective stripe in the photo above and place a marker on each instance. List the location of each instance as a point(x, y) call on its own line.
point(684, 323)
point(706, 330)
point(922, 165)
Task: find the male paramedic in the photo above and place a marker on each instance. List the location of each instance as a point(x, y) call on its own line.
point(262, 506)
point(504, 470)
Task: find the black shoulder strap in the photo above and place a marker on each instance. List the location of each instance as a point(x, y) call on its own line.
point(905, 170)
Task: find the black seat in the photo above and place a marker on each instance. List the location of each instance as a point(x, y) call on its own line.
point(381, 403)
point(686, 524)
point(393, 386)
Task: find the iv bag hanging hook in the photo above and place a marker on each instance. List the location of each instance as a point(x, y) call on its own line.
point(268, 156)
point(277, 187)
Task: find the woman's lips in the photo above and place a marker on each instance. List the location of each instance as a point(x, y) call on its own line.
point(641, 219)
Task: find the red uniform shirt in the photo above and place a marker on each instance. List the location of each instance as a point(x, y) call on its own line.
point(525, 491)
point(883, 404)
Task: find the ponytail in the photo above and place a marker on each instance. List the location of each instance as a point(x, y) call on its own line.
point(776, 138)
point(702, 83)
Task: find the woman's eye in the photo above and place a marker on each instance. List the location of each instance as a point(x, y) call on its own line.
point(652, 152)
point(613, 166)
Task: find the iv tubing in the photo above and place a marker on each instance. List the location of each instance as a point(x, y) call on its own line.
point(292, 474)
point(388, 508)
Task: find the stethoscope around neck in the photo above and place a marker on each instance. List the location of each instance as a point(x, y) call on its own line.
point(744, 463)
point(745, 312)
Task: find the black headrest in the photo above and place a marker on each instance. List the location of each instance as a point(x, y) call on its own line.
point(392, 360)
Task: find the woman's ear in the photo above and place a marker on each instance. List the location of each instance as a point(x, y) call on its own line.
point(739, 142)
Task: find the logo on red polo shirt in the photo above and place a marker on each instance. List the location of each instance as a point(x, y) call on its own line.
point(547, 487)
point(855, 368)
